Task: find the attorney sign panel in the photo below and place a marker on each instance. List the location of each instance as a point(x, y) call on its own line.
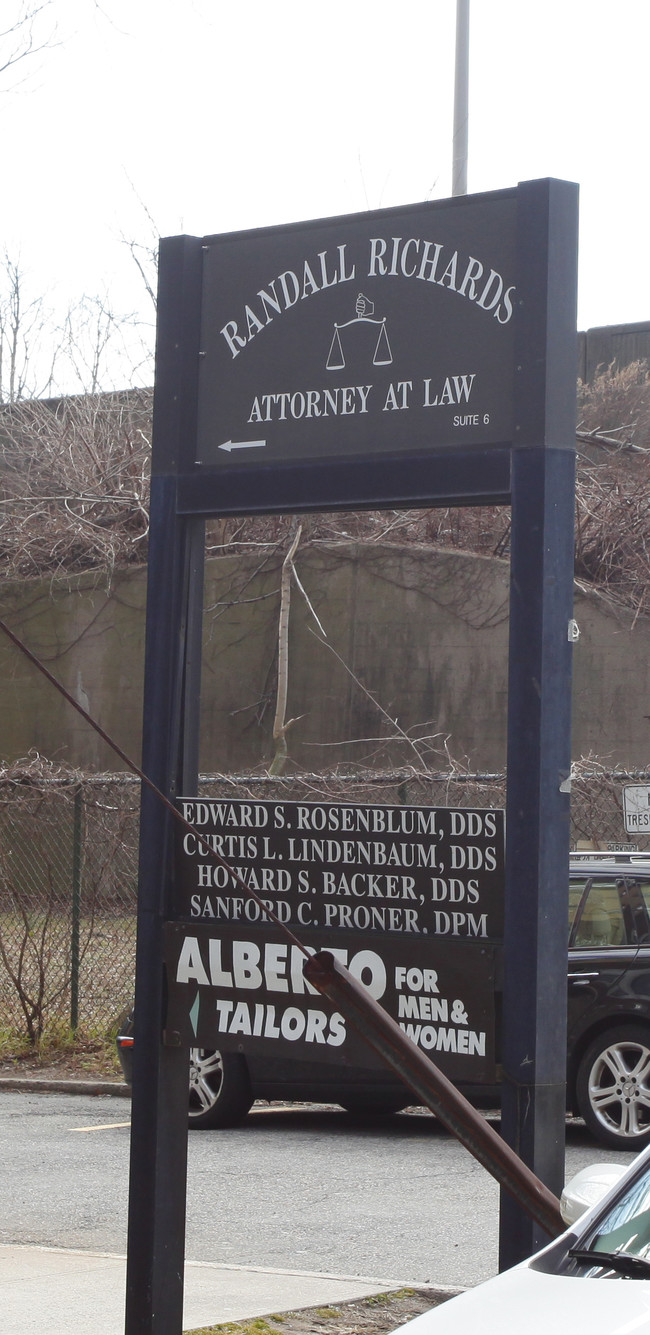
point(387, 332)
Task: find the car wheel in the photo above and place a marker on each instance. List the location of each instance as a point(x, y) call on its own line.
point(613, 1087)
point(369, 1105)
point(220, 1089)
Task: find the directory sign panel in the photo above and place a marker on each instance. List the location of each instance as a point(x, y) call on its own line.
point(410, 899)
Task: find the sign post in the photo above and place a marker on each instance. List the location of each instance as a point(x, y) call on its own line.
point(422, 356)
point(156, 1231)
point(539, 704)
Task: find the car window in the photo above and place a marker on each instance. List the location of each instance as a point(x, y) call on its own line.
point(639, 893)
point(627, 1225)
point(577, 886)
point(596, 917)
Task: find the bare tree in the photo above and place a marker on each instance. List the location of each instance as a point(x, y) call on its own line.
point(616, 404)
point(612, 550)
point(26, 33)
point(144, 253)
point(30, 951)
point(93, 348)
point(102, 349)
point(28, 349)
point(280, 724)
point(75, 483)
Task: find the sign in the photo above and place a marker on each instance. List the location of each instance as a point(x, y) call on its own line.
point(636, 801)
point(420, 871)
point(410, 899)
point(241, 989)
point(364, 362)
point(387, 332)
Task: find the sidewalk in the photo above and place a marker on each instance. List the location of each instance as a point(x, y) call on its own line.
point(49, 1289)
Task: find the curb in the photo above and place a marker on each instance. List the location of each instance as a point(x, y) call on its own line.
point(26, 1085)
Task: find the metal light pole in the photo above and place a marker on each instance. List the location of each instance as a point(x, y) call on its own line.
point(461, 100)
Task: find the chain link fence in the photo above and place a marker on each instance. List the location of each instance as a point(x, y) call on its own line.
point(68, 871)
point(68, 891)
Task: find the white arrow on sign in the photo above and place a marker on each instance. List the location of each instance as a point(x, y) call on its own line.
point(242, 445)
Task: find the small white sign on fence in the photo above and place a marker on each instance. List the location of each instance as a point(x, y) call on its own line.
point(636, 802)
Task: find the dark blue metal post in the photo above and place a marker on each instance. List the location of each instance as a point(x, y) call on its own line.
point(539, 700)
point(77, 838)
point(156, 1238)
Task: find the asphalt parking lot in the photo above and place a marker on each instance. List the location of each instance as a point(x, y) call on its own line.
point(303, 1188)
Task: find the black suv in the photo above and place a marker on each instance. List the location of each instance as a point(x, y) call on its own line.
point(609, 996)
point(608, 1074)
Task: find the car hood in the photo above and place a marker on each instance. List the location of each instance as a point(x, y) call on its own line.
point(525, 1299)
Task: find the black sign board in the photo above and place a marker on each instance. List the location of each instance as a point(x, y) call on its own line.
point(410, 899)
point(386, 332)
point(420, 871)
point(241, 989)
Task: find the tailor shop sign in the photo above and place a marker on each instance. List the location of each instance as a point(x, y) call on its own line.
point(385, 332)
point(417, 871)
point(242, 989)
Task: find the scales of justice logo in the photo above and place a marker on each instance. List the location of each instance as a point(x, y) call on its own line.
point(358, 334)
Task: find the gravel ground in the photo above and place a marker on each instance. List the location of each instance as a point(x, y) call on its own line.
point(366, 1316)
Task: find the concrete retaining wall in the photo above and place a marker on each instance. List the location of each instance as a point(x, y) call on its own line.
point(416, 647)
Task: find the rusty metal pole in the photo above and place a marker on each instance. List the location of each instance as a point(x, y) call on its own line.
point(432, 1088)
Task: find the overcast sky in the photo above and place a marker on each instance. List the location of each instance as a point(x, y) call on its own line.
point(216, 116)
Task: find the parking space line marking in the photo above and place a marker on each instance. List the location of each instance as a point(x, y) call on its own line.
point(108, 1126)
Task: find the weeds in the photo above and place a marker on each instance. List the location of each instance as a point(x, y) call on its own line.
point(258, 1326)
point(91, 1051)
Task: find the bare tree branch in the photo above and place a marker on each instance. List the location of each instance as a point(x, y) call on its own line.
point(145, 253)
point(24, 36)
point(75, 483)
point(27, 348)
point(280, 725)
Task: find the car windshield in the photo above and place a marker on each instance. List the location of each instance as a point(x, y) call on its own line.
point(626, 1226)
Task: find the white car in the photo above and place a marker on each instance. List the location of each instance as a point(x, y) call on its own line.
point(559, 1290)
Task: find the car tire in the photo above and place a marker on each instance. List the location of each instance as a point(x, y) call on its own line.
point(370, 1105)
point(613, 1087)
point(220, 1089)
